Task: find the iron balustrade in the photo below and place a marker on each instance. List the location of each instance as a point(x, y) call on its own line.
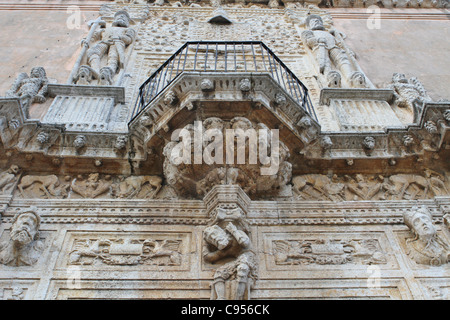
point(223, 56)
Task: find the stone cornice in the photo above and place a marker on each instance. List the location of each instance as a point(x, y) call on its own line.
point(194, 212)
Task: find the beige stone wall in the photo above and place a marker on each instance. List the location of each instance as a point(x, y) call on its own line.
point(39, 38)
point(414, 42)
point(407, 42)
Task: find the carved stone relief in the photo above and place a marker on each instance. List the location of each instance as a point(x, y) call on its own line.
point(125, 251)
point(107, 53)
point(328, 252)
point(108, 250)
point(427, 247)
point(333, 60)
point(180, 174)
point(8, 179)
point(89, 186)
point(369, 187)
point(409, 97)
point(227, 236)
point(23, 247)
point(30, 89)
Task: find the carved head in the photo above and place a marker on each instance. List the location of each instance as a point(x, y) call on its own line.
point(419, 220)
point(79, 142)
point(334, 79)
point(408, 140)
point(245, 85)
point(38, 72)
point(14, 169)
point(369, 143)
point(206, 85)
point(280, 99)
point(358, 80)
point(121, 142)
point(170, 98)
point(216, 236)
point(25, 227)
point(43, 137)
point(326, 142)
point(399, 77)
point(315, 22)
point(121, 19)
point(431, 127)
point(447, 115)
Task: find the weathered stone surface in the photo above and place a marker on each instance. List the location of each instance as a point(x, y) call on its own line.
point(95, 204)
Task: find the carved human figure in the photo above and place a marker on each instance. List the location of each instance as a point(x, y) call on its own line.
point(361, 188)
point(328, 51)
point(112, 42)
point(228, 237)
point(426, 247)
point(409, 94)
point(23, 246)
point(8, 177)
point(91, 187)
point(30, 89)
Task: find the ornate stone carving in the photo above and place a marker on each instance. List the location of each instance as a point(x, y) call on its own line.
point(317, 186)
point(8, 178)
point(91, 187)
point(245, 85)
point(132, 186)
point(121, 143)
point(206, 85)
point(126, 251)
point(235, 159)
point(369, 143)
point(326, 143)
point(23, 246)
point(32, 186)
point(328, 252)
point(85, 75)
point(30, 89)
point(79, 142)
point(110, 46)
point(427, 247)
point(170, 98)
point(409, 94)
point(227, 237)
point(447, 220)
point(333, 60)
point(369, 187)
point(447, 115)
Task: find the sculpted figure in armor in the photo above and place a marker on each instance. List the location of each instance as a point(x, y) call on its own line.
point(112, 43)
point(328, 52)
point(30, 89)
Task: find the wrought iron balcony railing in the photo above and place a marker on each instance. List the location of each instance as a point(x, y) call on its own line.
point(223, 56)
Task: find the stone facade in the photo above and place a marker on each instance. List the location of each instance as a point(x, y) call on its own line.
point(349, 188)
